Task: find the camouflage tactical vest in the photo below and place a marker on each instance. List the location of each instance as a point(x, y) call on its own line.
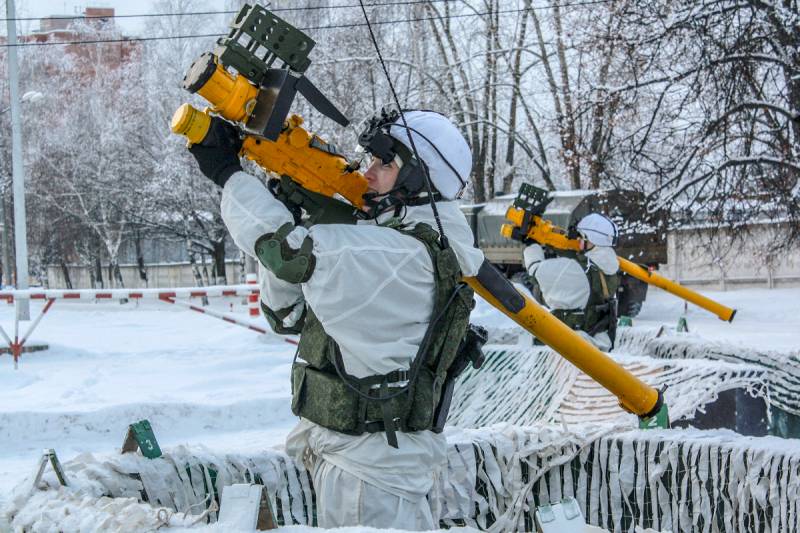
point(402, 400)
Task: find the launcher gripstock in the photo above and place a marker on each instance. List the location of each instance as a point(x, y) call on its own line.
point(525, 223)
point(258, 98)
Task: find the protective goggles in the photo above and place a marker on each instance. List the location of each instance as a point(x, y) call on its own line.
point(376, 140)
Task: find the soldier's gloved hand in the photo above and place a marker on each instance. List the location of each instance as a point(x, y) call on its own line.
point(218, 154)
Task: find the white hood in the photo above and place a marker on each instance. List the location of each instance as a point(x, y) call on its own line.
point(605, 258)
point(456, 229)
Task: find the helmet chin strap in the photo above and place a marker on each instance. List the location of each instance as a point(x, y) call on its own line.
point(408, 186)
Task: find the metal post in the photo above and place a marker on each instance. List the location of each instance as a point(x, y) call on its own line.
point(18, 171)
point(8, 268)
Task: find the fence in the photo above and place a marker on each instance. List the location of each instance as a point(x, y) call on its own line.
point(179, 274)
point(169, 296)
point(701, 257)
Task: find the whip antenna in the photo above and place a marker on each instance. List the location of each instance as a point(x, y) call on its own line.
point(428, 186)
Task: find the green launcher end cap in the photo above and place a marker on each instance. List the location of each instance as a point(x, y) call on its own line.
point(660, 420)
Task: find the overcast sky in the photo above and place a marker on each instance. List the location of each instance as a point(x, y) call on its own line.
point(43, 8)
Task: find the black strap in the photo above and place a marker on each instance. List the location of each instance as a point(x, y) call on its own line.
point(395, 376)
point(388, 417)
point(601, 325)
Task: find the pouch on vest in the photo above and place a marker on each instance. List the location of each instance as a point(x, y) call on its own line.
point(334, 405)
point(470, 352)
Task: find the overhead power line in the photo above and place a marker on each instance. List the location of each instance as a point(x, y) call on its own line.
point(196, 13)
point(307, 28)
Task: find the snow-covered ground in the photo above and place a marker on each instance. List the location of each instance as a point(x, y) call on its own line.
point(765, 319)
point(198, 379)
point(201, 380)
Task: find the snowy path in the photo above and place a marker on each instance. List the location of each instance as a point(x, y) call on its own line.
point(765, 319)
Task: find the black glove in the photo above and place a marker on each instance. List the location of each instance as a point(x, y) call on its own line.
point(218, 154)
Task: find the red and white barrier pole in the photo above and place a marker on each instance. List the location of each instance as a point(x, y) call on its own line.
point(250, 289)
point(131, 294)
point(224, 316)
point(252, 299)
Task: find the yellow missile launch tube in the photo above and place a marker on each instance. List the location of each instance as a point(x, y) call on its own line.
point(547, 234)
point(643, 274)
point(634, 395)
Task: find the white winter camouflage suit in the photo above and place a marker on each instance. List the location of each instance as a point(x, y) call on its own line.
point(564, 283)
point(372, 290)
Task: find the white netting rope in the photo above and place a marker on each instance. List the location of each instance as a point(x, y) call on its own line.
point(781, 369)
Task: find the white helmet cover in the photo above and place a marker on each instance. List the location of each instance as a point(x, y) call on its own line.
point(598, 229)
point(429, 130)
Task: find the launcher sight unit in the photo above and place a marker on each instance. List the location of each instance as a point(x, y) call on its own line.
point(260, 96)
point(242, 85)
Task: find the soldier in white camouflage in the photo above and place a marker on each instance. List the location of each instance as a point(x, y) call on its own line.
point(381, 310)
point(580, 288)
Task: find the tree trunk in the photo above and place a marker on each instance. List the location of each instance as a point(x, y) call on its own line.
point(198, 277)
point(117, 273)
point(140, 258)
point(204, 269)
point(115, 278)
point(467, 111)
point(65, 273)
point(600, 116)
point(571, 156)
point(508, 180)
point(98, 274)
point(219, 272)
point(491, 118)
point(485, 169)
point(9, 257)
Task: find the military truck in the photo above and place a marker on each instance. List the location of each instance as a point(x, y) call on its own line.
point(642, 235)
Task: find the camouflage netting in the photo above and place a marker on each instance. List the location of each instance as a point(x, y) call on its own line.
point(679, 481)
point(781, 370)
point(556, 391)
point(184, 480)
